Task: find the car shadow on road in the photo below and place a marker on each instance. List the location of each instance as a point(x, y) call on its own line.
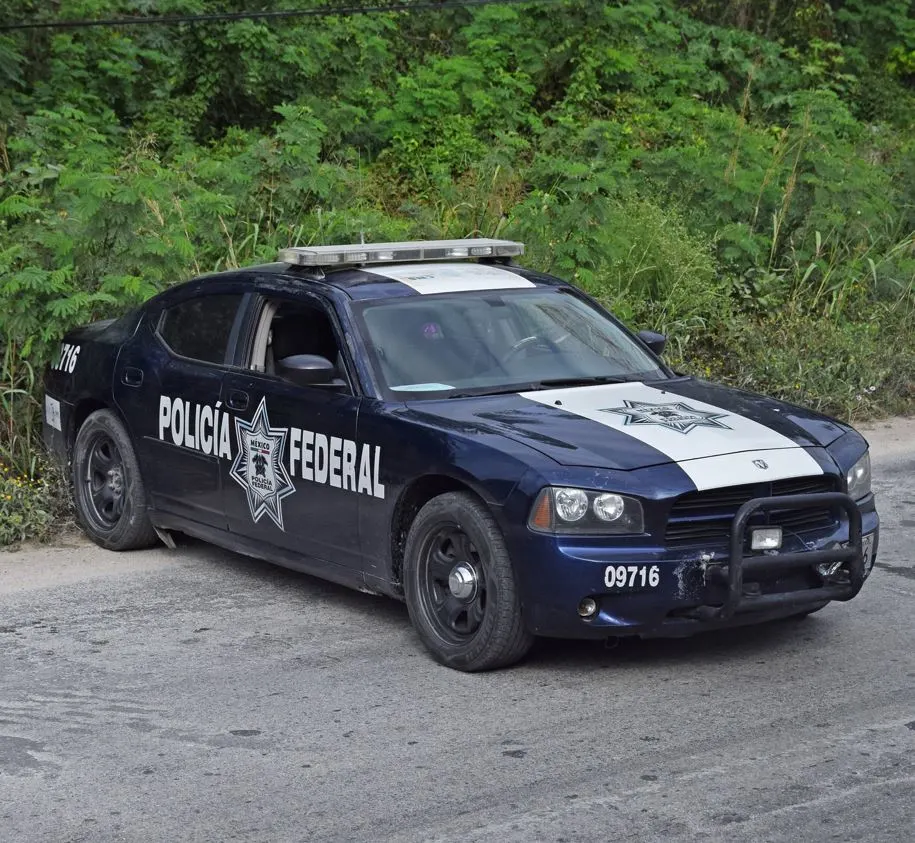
point(763, 640)
point(296, 585)
point(759, 641)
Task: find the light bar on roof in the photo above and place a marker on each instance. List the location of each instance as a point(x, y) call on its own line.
point(416, 250)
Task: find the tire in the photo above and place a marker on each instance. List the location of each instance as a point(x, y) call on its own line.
point(107, 488)
point(476, 624)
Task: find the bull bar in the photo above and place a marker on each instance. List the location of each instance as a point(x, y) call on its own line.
point(852, 553)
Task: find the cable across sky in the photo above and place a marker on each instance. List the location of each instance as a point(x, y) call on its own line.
point(320, 12)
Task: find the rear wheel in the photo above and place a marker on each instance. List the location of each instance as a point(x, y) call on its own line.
point(107, 487)
point(460, 587)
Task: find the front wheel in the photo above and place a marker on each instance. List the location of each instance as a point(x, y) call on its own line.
point(460, 587)
point(107, 487)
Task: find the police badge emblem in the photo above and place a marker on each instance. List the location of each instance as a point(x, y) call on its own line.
point(258, 466)
point(676, 416)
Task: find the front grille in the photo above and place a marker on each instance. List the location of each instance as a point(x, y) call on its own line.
point(803, 486)
point(705, 517)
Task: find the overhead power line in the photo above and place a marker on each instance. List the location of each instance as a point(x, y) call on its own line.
point(322, 12)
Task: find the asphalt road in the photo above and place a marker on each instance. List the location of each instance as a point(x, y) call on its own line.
point(195, 695)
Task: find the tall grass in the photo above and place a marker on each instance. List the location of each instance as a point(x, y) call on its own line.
point(20, 427)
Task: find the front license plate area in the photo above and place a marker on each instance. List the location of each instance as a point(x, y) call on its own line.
point(629, 578)
point(867, 551)
point(867, 546)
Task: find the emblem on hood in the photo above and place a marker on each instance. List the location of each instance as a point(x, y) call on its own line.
point(761, 464)
point(258, 466)
point(676, 416)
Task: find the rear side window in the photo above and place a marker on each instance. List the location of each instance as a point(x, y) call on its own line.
point(200, 328)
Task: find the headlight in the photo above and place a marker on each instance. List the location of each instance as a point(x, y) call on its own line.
point(563, 509)
point(571, 504)
point(858, 478)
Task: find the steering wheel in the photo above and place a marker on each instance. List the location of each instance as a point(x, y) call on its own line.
point(524, 345)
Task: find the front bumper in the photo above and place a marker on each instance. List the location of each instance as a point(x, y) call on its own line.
point(698, 588)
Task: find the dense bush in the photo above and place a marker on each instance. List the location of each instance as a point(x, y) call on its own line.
point(28, 505)
point(739, 174)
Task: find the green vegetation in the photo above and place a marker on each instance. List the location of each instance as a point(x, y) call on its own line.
point(27, 506)
point(737, 173)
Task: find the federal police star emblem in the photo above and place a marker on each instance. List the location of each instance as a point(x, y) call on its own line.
point(676, 416)
point(258, 466)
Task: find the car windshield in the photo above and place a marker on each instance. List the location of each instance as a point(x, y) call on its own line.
point(479, 343)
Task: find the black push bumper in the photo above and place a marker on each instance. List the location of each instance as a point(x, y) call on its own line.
point(739, 567)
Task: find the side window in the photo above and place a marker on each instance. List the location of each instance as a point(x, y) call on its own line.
point(300, 329)
point(199, 328)
point(290, 328)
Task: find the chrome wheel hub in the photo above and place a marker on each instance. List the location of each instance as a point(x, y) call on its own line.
point(462, 581)
point(452, 584)
point(116, 480)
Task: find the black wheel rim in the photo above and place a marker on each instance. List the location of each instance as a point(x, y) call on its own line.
point(452, 584)
point(104, 482)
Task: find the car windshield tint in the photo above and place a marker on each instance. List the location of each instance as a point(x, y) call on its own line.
point(431, 346)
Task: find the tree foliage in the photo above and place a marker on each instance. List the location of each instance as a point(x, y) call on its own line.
point(706, 166)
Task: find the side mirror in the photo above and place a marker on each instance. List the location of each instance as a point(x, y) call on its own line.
point(307, 369)
point(656, 342)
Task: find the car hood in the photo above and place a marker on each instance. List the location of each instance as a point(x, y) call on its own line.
point(695, 424)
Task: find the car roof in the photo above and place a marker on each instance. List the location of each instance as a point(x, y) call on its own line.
point(410, 279)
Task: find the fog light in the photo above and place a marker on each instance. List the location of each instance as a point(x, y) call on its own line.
point(587, 608)
point(766, 538)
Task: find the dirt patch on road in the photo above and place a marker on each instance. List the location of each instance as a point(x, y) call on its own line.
point(73, 560)
point(890, 439)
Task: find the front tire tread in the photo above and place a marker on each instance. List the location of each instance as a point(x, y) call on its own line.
point(502, 639)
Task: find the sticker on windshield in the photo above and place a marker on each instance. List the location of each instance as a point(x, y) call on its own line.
point(421, 387)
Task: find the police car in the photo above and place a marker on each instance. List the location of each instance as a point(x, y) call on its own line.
point(431, 421)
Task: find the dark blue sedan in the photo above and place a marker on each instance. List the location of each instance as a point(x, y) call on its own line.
point(430, 421)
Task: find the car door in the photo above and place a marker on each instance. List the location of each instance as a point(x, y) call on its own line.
point(294, 482)
point(168, 384)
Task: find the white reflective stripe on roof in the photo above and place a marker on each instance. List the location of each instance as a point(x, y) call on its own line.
point(452, 277)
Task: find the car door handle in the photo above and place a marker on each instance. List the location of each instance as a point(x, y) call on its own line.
point(237, 400)
point(132, 376)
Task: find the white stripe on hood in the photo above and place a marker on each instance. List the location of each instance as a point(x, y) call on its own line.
point(713, 446)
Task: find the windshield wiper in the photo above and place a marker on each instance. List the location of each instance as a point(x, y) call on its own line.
point(548, 383)
point(496, 390)
point(558, 383)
